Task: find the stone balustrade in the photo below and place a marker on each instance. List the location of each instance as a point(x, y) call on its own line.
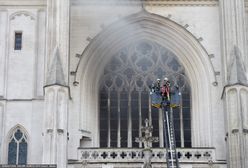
point(135, 155)
point(29, 166)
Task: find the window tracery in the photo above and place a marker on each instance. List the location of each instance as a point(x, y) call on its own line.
point(125, 100)
point(17, 148)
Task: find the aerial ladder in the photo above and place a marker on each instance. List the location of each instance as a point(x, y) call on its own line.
point(163, 98)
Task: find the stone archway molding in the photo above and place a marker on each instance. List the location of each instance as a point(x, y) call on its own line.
point(8, 137)
point(170, 35)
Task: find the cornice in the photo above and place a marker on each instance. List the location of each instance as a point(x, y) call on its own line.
point(147, 2)
point(23, 2)
point(117, 2)
point(182, 2)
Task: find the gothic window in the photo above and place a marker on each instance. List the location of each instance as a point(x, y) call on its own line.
point(17, 148)
point(18, 40)
point(124, 95)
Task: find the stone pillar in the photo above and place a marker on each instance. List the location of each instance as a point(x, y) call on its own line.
point(58, 15)
point(3, 73)
point(55, 125)
point(55, 131)
point(40, 53)
point(1, 131)
point(147, 158)
point(235, 95)
point(232, 16)
point(3, 51)
point(236, 98)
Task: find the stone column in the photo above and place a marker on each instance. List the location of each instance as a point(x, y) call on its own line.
point(235, 93)
point(58, 15)
point(2, 104)
point(40, 53)
point(236, 98)
point(3, 51)
point(55, 129)
point(55, 125)
point(232, 16)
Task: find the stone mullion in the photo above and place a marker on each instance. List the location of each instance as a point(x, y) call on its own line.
point(140, 119)
point(150, 112)
point(161, 128)
point(129, 137)
point(17, 152)
point(119, 121)
point(109, 129)
point(181, 122)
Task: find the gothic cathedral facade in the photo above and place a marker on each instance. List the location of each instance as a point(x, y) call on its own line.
point(75, 79)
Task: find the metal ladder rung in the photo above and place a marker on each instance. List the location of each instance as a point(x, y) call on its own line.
point(172, 160)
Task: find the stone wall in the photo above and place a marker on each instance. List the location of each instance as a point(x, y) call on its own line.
point(22, 73)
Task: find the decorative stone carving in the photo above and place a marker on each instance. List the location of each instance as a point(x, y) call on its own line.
point(132, 155)
point(55, 74)
point(22, 13)
point(236, 68)
point(147, 140)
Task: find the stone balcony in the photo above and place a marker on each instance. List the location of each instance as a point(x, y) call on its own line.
point(133, 157)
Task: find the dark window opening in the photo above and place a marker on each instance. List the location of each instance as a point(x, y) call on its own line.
point(18, 40)
point(17, 148)
point(125, 99)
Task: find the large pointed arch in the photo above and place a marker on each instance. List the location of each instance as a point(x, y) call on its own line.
point(167, 33)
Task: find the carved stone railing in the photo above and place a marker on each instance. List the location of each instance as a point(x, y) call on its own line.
point(134, 155)
point(29, 166)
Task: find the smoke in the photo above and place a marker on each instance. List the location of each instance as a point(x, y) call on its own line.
point(94, 15)
point(89, 18)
